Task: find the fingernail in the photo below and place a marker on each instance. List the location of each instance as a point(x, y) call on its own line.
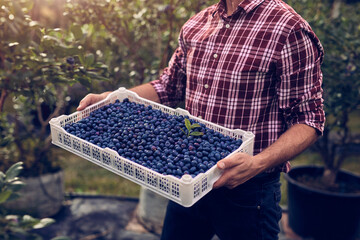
point(221, 165)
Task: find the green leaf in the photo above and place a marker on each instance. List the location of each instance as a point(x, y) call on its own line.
point(84, 81)
point(196, 133)
point(2, 176)
point(61, 238)
point(5, 195)
point(16, 186)
point(13, 171)
point(82, 59)
point(89, 59)
point(187, 124)
point(29, 219)
point(195, 125)
point(183, 131)
point(44, 222)
point(77, 31)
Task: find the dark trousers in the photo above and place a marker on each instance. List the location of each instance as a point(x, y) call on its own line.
point(250, 211)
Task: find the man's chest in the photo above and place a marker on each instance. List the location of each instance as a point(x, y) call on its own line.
point(231, 50)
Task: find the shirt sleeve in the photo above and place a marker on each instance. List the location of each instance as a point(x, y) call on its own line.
point(299, 72)
point(172, 82)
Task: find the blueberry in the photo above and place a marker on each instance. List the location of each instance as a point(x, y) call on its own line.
point(70, 60)
point(153, 139)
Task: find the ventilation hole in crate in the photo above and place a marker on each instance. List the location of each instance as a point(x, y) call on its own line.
point(60, 138)
point(117, 164)
point(164, 185)
point(204, 184)
point(67, 140)
point(76, 145)
point(96, 154)
point(128, 169)
point(152, 179)
point(86, 149)
point(196, 189)
point(175, 189)
point(140, 174)
point(106, 158)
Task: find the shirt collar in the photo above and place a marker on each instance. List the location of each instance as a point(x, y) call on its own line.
point(246, 5)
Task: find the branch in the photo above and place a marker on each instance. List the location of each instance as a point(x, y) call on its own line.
point(170, 21)
point(4, 94)
point(45, 123)
point(59, 106)
point(47, 143)
point(17, 140)
point(335, 9)
point(39, 114)
point(111, 30)
point(344, 140)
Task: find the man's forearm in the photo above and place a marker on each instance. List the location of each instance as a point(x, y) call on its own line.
point(146, 91)
point(291, 143)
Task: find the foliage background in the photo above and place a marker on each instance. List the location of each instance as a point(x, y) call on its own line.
point(72, 47)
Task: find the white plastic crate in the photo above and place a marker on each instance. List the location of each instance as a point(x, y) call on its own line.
point(185, 191)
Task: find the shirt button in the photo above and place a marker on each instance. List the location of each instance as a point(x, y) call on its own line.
point(215, 55)
point(227, 25)
point(206, 86)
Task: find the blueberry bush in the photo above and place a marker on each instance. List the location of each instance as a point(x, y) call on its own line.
point(37, 67)
point(16, 226)
point(155, 139)
point(134, 38)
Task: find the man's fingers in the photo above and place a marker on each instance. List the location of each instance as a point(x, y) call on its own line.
point(91, 98)
point(220, 182)
point(86, 101)
point(230, 162)
point(83, 104)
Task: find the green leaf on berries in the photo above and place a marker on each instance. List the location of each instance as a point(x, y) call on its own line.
point(195, 125)
point(183, 131)
point(187, 124)
point(196, 133)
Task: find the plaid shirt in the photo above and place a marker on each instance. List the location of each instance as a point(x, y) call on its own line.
point(257, 70)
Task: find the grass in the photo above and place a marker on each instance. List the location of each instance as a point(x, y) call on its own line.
point(82, 176)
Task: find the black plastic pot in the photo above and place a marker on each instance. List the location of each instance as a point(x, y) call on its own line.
point(322, 215)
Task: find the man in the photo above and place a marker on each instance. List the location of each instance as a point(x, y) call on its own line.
point(253, 65)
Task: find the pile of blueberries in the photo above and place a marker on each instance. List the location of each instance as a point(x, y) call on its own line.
point(154, 139)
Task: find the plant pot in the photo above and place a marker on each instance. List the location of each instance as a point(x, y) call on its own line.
point(319, 214)
point(41, 197)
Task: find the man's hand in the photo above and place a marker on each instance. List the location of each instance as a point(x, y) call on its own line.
point(91, 98)
point(241, 167)
point(238, 169)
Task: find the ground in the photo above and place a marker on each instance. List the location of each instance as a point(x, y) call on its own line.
point(111, 218)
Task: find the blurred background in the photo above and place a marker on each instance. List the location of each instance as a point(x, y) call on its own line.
point(54, 52)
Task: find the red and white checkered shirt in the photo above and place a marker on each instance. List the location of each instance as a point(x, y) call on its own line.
point(257, 70)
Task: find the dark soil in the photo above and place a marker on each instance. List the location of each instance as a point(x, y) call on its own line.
point(340, 186)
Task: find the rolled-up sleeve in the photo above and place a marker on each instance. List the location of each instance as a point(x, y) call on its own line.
point(300, 79)
point(172, 82)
